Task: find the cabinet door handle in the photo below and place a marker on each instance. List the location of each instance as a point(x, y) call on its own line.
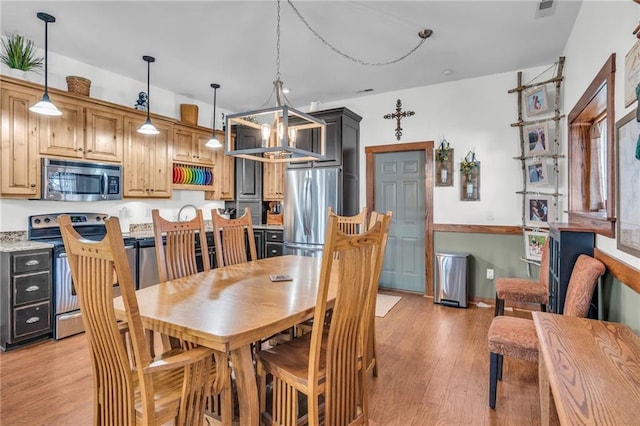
point(32, 262)
point(33, 185)
point(32, 288)
point(274, 251)
point(32, 320)
point(80, 149)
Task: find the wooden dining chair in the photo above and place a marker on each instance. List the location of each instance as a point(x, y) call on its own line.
point(516, 337)
point(139, 390)
point(370, 345)
point(176, 259)
point(352, 224)
point(522, 290)
point(230, 239)
point(327, 362)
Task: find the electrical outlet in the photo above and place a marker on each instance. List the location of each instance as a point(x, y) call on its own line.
point(489, 274)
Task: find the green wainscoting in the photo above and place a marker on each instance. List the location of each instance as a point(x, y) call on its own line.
point(500, 252)
point(620, 303)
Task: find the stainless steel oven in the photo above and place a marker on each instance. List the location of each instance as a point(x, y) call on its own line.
point(80, 181)
point(67, 319)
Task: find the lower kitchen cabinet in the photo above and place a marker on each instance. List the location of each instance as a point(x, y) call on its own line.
point(273, 242)
point(25, 297)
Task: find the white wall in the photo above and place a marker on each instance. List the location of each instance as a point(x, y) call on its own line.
point(602, 28)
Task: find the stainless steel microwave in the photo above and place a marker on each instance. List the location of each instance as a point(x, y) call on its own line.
point(80, 181)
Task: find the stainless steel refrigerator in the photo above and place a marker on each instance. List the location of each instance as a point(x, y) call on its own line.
point(308, 195)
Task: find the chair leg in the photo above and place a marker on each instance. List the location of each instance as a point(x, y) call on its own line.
point(543, 307)
point(500, 358)
point(493, 379)
point(499, 306)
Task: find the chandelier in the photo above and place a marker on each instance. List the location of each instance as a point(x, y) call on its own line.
point(270, 134)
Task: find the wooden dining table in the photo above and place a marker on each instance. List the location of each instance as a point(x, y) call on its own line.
point(229, 308)
point(589, 371)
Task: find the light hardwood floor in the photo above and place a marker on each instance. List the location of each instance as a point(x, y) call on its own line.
point(434, 369)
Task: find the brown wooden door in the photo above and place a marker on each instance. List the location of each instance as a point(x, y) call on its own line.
point(161, 177)
point(19, 143)
point(62, 136)
point(136, 162)
point(183, 146)
point(104, 136)
point(273, 185)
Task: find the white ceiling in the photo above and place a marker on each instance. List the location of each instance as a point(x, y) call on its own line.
point(233, 43)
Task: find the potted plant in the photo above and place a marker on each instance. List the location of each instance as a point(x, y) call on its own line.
point(19, 53)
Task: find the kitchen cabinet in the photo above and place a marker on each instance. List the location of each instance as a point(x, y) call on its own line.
point(189, 145)
point(66, 135)
point(565, 245)
point(20, 171)
point(273, 185)
point(273, 242)
point(147, 171)
point(25, 297)
point(342, 139)
point(223, 174)
point(248, 172)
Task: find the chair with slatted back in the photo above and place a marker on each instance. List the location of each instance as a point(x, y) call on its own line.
point(522, 290)
point(139, 390)
point(352, 224)
point(231, 237)
point(516, 337)
point(371, 354)
point(327, 362)
point(176, 259)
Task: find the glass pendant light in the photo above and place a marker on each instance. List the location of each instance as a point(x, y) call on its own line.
point(214, 143)
point(147, 128)
point(45, 106)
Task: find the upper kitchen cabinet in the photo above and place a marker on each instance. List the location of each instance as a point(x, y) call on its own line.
point(273, 177)
point(248, 172)
point(223, 174)
point(342, 139)
point(147, 159)
point(20, 171)
point(189, 145)
point(84, 131)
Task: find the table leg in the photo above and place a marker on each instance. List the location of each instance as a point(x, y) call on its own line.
point(246, 386)
point(548, 413)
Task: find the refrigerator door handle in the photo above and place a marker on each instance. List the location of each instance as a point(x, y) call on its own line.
point(307, 206)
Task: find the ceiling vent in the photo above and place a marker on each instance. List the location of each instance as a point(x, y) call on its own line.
point(545, 8)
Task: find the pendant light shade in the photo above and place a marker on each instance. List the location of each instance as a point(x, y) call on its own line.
point(148, 128)
point(45, 106)
point(214, 143)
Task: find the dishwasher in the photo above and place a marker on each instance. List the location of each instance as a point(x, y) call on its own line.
point(147, 263)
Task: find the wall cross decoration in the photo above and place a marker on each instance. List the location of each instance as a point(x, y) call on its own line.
point(399, 115)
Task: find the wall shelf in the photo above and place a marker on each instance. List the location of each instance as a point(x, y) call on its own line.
point(192, 178)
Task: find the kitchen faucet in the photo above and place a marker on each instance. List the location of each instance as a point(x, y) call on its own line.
point(184, 207)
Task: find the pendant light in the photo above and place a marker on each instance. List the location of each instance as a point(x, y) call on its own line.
point(45, 107)
point(147, 128)
point(277, 126)
point(214, 143)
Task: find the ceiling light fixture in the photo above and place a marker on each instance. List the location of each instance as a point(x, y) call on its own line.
point(276, 127)
point(147, 128)
point(45, 106)
point(214, 143)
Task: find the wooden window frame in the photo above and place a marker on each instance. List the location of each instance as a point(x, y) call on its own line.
point(596, 100)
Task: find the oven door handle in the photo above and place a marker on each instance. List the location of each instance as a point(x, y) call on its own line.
point(105, 186)
point(62, 255)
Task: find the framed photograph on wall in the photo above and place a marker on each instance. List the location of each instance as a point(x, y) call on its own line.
point(533, 243)
point(631, 73)
point(539, 208)
point(628, 179)
point(537, 172)
point(536, 139)
point(536, 101)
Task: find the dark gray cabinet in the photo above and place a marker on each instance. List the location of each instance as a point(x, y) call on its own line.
point(342, 140)
point(248, 173)
point(25, 297)
point(565, 245)
point(273, 242)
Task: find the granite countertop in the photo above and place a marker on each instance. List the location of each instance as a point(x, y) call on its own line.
point(17, 241)
point(145, 230)
point(12, 241)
